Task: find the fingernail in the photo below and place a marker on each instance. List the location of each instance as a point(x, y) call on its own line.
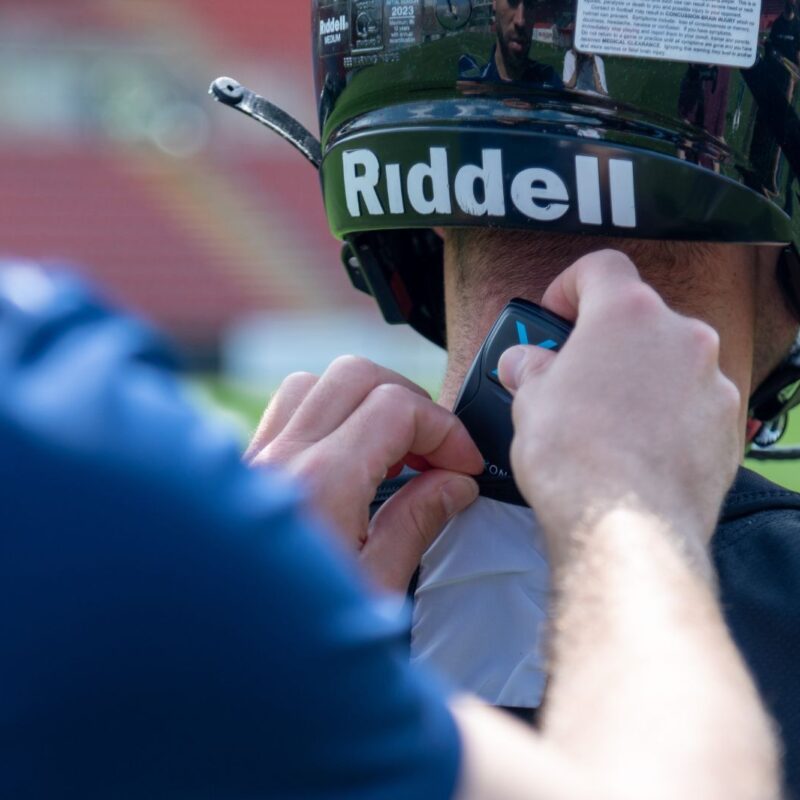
point(457, 494)
point(509, 367)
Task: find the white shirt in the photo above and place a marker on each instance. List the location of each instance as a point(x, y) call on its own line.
point(480, 608)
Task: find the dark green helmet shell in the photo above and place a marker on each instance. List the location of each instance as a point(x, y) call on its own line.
point(437, 114)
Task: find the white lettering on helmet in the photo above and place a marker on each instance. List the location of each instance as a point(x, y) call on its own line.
point(331, 30)
point(479, 190)
point(394, 188)
point(437, 176)
point(587, 176)
point(540, 194)
point(490, 175)
point(623, 198)
point(363, 184)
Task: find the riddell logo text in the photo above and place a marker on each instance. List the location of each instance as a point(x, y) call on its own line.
point(480, 190)
point(331, 30)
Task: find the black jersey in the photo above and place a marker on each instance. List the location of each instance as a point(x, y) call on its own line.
point(535, 73)
point(756, 552)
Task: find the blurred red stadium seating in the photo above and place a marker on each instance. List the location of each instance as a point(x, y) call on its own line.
point(192, 242)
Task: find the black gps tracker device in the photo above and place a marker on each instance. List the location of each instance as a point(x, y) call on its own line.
point(483, 405)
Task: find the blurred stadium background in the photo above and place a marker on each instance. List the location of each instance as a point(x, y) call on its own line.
point(114, 160)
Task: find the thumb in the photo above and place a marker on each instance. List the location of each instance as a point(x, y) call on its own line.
point(521, 363)
point(591, 280)
point(408, 524)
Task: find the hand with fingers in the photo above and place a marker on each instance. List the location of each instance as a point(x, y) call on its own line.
point(625, 444)
point(615, 418)
point(342, 433)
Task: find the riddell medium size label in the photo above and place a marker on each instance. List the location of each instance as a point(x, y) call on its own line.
point(723, 32)
point(334, 28)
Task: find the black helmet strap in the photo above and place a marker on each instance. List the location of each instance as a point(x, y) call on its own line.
point(230, 92)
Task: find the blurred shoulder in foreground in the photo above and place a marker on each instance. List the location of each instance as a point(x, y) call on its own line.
point(173, 625)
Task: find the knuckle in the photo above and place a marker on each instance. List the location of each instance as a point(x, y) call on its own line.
point(614, 258)
point(391, 394)
point(355, 369)
point(730, 397)
point(297, 381)
point(607, 258)
point(704, 340)
point(394, 408)
point(639, 302)
point(280, 451)
point(309, 465)
point(704, 337)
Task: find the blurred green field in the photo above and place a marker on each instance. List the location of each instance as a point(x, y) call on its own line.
point(243, 407)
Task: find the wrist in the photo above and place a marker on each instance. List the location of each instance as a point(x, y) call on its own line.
point(618, 528)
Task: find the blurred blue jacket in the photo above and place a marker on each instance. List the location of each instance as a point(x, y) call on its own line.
point(172, 625)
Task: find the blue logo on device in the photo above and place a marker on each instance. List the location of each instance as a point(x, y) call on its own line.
point(522, 336)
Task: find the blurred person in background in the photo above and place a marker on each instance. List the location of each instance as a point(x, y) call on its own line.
point(176, 625)
point(784, 36)
point(509, 59)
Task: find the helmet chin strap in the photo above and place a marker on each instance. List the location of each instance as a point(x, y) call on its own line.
point(231, 93)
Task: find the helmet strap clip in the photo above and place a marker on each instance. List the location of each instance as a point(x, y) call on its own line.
point(230, 92)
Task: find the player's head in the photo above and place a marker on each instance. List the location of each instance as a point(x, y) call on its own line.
point(514, 21)
point(417, 137)
point(790, 8)
point(413, 141)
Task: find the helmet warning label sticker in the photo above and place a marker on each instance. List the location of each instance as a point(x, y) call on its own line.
point(723, 32)
point(404, 23)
